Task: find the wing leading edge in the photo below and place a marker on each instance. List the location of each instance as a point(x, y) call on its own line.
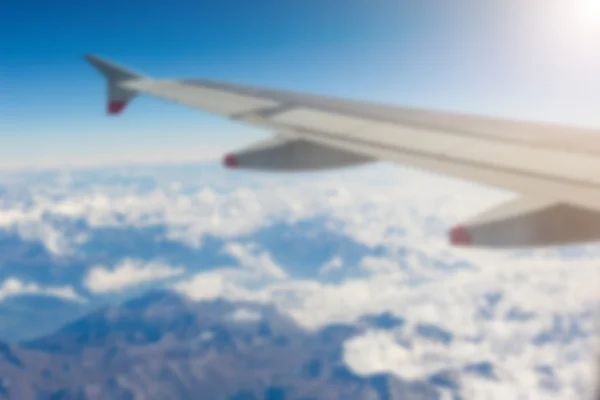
point(554, 163)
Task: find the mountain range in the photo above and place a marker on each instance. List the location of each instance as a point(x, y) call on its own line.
point(163, 346)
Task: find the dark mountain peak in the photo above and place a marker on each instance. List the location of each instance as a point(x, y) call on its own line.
point(160, 314)
point(139, 321)
point(9, 356)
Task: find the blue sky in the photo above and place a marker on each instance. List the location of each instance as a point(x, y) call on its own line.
point(531, 61)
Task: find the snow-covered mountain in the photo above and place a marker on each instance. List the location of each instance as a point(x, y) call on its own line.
point(360, 254)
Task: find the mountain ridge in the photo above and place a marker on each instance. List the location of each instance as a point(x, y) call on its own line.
point(163, 346)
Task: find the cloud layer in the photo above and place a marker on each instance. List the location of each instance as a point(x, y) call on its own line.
point(377, 239)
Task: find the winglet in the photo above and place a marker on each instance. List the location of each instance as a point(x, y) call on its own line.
point(118, 96)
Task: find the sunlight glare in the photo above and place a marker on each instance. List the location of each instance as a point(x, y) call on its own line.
point(586, 16)
point(568, 27)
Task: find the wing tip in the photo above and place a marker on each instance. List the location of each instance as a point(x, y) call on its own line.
point(460, 236)
point(89, 57)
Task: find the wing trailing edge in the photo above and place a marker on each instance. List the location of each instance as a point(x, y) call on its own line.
point(527, 222)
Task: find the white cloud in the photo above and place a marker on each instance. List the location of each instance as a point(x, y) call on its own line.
point(128, 273)
point(245, 315)
point(332, 265)
point(376, 352)
point(259, 262)
point(12, 287)
point(539, 284)
point(228, 283)
point(256, 267)
point(381, 265)
point(364, 204)
point(207, 285)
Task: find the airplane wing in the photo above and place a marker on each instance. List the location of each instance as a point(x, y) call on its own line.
point(556, 169)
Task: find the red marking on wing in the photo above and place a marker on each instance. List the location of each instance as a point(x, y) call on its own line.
point(459, 236)
point(231, 161)
point(116, 106)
